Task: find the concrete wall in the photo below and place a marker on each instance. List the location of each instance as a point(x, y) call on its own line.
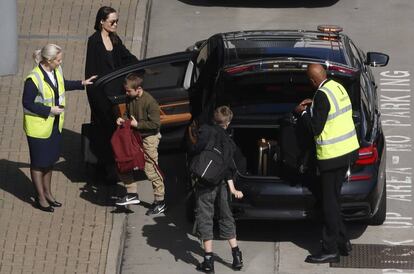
point(8, 34)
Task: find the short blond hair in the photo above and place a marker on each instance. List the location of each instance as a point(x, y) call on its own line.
point(223, 116)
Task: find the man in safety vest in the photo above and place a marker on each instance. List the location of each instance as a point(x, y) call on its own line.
point(329, 117)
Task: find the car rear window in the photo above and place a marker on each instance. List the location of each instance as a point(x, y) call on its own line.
point(240, 50)
point(271, 93)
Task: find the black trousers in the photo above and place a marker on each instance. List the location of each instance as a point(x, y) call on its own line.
point(334, 231)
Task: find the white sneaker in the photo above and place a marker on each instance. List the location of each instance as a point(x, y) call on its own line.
point(129, 199)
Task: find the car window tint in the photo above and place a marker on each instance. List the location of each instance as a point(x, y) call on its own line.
point(160, 76)
point(165, 75)
point(265, 93)
point(239, 50)
point(367, 103)
point(356, 57)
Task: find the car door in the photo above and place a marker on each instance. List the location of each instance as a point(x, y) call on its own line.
point(163, 79)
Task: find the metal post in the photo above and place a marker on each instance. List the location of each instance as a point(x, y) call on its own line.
point(8, 32)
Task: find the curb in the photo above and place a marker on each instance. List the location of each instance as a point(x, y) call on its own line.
point(116, 244)
point(119, 221)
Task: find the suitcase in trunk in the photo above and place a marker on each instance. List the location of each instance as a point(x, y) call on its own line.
point(267, 157)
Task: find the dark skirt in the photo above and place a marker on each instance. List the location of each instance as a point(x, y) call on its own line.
point(45, 152)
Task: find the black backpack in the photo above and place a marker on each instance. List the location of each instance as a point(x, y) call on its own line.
point(297, 146)
point(212, 162)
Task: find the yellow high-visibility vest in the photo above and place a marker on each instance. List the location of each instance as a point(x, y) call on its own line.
point(338, 136)
point(33, 124)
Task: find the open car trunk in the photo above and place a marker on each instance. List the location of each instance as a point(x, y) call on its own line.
point(271, 138)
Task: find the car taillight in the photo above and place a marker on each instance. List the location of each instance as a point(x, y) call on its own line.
point(341, 69)
point(367, 155)
point(353, 178)
point(239, 69)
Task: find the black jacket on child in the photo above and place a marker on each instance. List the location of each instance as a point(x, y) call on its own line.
point(215, 132)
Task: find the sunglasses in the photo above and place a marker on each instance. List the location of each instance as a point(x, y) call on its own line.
point(113, 22)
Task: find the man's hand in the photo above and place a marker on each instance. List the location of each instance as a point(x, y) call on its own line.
point(134, 122)
point(302, 106)
point(120, 121)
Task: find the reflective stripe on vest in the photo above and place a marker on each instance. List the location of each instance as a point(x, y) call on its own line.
point(338, 136)
point(37, 126)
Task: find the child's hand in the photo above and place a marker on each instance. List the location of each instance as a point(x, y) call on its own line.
point(134, 122)
point(237, 194)
point(120, 121)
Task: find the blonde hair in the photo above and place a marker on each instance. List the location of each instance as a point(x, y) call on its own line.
point(47, 53)
point(223, 116)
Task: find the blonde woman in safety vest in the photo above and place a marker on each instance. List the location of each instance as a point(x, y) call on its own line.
point(329, 118)
point(43, 107)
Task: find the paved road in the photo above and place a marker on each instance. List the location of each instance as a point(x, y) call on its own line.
point(157, 245)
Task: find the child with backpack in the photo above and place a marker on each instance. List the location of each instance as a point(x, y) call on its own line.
point(143, 112)
point(208, 191)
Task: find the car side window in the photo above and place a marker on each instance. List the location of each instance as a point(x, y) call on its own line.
point(165, 75)
point(367, 100)
point(356, 57)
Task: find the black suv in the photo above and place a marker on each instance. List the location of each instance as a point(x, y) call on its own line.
point(261, 75)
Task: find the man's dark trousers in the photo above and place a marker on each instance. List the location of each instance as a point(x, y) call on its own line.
point(334, 231)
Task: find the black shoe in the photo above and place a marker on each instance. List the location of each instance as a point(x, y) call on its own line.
point(207, 266)
point(54, 203)
point(156, 208)
point(323, 258)
point(43, 208)
point(345, 248)
point(237, 260)
point(129, 199)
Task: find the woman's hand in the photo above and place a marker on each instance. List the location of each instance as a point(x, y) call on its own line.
point(120, 121)
point(89, 81)
point(237, 194)
point(56, 110)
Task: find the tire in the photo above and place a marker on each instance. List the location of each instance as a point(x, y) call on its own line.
point(379, 217)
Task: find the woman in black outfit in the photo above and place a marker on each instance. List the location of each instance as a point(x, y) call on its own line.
point(105, 53)
point(43, 104)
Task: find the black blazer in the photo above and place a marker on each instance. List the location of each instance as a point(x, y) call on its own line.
point(97, 60)
point(99, 63)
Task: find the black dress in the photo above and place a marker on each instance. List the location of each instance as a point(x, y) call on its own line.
point(45, 152)
point(100, 62)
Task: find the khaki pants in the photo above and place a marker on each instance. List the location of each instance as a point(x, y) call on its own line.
point(151, 148)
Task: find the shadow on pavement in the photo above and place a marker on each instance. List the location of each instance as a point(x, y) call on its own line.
point(15, 181)
point(174, 233)
point(263, 3)
point(304, 234)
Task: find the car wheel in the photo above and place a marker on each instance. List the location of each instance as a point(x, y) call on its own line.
point(379, 217)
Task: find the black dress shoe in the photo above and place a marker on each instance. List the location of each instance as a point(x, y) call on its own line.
point(44, 208)
point(54, 203)
point(323, 258)
point(345, 248)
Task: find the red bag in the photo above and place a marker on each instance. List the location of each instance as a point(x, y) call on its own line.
point(128, 149)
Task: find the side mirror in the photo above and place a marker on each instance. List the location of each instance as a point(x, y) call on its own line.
point(377, 59)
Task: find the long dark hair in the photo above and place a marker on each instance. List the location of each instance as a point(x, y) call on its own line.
point(103, 14)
